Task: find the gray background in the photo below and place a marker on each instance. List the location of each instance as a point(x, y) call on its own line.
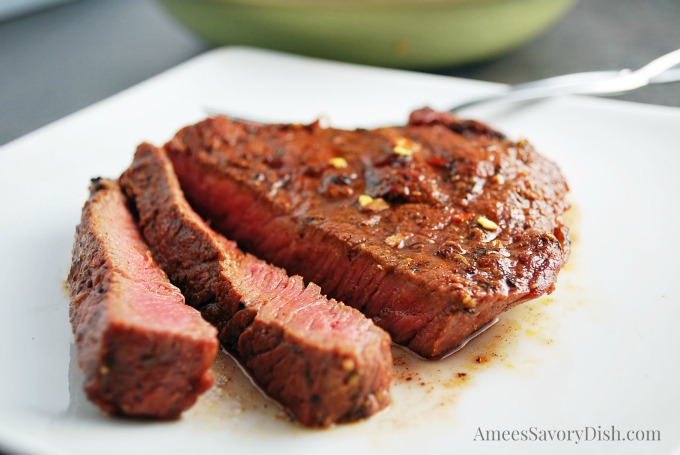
point(59, 60)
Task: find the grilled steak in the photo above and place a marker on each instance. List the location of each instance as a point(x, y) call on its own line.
point(324, 361)
point(431, 229)
point(143, 352)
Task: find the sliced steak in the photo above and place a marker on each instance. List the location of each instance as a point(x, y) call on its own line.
point(431, 229)
point(143, 352)
point(322, 360)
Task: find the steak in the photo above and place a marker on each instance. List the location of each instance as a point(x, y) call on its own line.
point(431, 229)
point(143, 352)
point(322, 360)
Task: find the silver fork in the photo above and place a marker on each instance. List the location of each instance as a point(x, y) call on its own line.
point(658, 71)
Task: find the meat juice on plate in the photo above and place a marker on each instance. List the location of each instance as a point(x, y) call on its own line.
point(515, 345)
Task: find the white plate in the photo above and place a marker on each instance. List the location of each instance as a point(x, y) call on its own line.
point(601, 351)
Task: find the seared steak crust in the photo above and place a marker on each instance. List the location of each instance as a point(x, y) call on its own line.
point(431, 229)
point(324, 361)
point(142, 351)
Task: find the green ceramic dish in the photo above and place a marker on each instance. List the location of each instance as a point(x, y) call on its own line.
point(398, 33)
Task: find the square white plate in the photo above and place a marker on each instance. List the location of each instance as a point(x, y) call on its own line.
point(598, 356)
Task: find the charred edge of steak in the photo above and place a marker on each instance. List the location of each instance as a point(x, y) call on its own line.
point(142, 351)
point(468, 128)
point(323, 361)
point(431, 229)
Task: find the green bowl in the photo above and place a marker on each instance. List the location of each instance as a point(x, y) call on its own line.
point(396, 33)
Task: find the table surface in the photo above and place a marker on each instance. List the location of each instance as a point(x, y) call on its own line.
point(58, 60)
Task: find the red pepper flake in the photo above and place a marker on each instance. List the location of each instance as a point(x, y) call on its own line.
point(462, 216)
point(436, 161)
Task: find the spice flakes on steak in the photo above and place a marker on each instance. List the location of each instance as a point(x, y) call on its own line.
point(431, 229)
point(143, 352)
point(322, 360)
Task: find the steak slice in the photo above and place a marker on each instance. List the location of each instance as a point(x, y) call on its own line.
point(323, 361)
point(143, 352)
point(431, 229)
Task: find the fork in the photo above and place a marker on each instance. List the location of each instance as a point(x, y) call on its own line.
point(658, 71)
